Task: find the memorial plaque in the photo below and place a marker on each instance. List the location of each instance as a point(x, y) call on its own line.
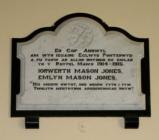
point(80, 67)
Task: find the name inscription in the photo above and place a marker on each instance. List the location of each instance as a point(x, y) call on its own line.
point(98, 68)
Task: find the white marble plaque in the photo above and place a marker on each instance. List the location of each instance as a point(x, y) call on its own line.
point(80, 66)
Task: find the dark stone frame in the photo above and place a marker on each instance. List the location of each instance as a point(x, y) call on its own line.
point(127, 114)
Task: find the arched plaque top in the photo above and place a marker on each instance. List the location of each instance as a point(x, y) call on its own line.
point(72, 16)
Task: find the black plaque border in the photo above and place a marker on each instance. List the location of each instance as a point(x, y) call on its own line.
point(15, 78)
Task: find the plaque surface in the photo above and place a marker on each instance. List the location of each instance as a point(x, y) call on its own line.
point(80, 67)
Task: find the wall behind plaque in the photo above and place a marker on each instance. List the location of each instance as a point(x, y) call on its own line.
point(18, 18)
